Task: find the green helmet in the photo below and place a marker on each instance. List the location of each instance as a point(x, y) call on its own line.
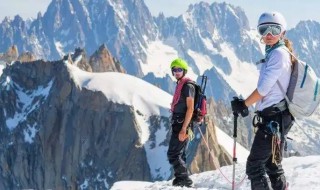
point(179, 63)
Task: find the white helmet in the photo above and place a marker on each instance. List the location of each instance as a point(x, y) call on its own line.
point(273, 17)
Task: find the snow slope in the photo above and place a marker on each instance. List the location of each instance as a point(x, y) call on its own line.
point(301, 173)
point(244, 76)
point(124, 89)
point(159, 57)
point(1, 67)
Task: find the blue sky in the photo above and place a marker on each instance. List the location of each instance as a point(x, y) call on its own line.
point(298, 10)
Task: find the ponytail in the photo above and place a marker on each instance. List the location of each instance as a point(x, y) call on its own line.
point(289, 45)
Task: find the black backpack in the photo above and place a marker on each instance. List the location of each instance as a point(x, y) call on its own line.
point(200, 100)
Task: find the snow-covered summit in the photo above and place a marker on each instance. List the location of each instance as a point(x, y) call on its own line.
point(124, 89)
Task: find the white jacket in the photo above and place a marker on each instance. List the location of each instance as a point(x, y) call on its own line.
point(276, 67)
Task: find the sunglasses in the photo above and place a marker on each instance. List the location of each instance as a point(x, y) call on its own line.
point(273, 29)
point(177, 70)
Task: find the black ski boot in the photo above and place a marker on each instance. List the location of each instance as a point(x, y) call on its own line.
point(278, 182)
point(182, 182)
point(261, 184)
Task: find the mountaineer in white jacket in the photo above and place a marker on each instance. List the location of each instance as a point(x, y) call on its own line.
point(273, 119)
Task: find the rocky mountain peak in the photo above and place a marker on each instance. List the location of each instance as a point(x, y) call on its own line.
point(11, 54)
point(103, 61)
point(18, 19)
point(306, 42)
point(6, 20)
point(63, 21)
point(39, 15)
point(79, 59)
point(26, 57)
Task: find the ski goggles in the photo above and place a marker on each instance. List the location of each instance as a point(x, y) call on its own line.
point(273, 29)
point(176, 70)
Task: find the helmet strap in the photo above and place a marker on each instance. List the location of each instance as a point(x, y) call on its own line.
point(184, 73)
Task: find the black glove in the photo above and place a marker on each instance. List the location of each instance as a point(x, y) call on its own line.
point(238, 106)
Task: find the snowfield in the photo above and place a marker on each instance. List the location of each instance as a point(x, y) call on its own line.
point(302, 174)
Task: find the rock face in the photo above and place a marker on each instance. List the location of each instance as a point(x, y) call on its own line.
point(223, 117)
point(203, 161)
point(11, 54)
point(79, 58)
point(102, 61)
point(26, 57)
point(56, 135)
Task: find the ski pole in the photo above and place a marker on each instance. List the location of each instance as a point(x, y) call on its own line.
point(235, 125)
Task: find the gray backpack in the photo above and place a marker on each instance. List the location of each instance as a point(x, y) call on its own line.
point(302, 95)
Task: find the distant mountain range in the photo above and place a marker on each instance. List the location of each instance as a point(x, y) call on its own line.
point(215, 39)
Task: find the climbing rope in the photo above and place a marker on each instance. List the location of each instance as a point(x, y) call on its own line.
point(217, 165)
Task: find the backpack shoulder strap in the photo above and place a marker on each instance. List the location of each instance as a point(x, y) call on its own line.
point(278, 82)
point(194, 84)
point(283, 92)
point(191, 82)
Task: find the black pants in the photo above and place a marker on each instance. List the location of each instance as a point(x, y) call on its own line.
point(177, 149)
point(259, 161)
